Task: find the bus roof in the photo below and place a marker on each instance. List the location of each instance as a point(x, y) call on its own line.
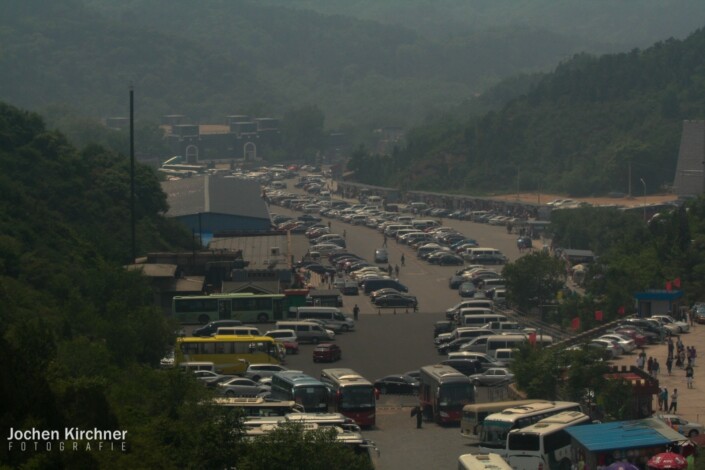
point(296, 378)
point(442, 374)
point(482, 461)
point(213, 339)
point(342, 376)
point(501, 405)
point(226, 296)
point(518, 412)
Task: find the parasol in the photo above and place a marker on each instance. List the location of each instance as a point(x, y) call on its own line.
point(667, 460)
point(622, 466)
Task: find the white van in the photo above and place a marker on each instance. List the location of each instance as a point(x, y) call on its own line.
point(331, 317)
point(358, 219)
point(237, 331)
point(306, 331)
point(504, 342)
point(194, 366)
point(505, 355)
point(452, 313)
point(484, 255)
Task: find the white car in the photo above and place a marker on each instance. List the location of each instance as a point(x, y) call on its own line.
point(608, 345)
point(672, 324)
point(627, 344)
point(683, 426)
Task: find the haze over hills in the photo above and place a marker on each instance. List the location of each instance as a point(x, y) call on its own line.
point(365, 64)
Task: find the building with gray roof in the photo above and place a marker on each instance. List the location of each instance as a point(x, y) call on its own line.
point(216, 205)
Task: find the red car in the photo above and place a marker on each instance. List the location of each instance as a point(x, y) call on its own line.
point(326, 352)
point(638, 338)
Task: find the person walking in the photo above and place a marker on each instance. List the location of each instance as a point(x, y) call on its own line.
point(689, 375)
point(384, 243)
point(663, 396)
point(674, 401)
point(650, 365)
point(669, 364)
point(403, 260)
point(418, 412)
point(396, 270)
point(345, 233)
point(670, 347)
point(694, 354)
point(655, 367)
point(356, 312)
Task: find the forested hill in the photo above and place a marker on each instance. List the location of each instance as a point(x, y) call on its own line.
point(210, 59)
point(79, 335)
point(574, 133)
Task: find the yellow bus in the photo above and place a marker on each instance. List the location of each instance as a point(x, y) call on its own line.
point(475, 414)
point(229, 354)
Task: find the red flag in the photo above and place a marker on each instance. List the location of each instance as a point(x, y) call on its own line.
point(598, 315)
point(575, 323)
point(621, 310)
point(532, 339)
point(669, 286)
point(677, 283)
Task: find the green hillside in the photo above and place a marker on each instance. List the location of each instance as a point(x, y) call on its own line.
point(210, 59)
point(576, 132)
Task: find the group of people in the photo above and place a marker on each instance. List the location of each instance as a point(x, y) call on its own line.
point(663, 400)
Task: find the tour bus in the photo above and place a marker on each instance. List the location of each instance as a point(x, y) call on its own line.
point(259, 406)
point(475, 414)
point(443, 391)
point(545, 444)
point(482, 462)
point(246, 307)
point(351, 394)
point(229, 354)
point(496, 427)
point(312, 394)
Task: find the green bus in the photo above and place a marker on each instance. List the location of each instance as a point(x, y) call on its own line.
point(246, 307)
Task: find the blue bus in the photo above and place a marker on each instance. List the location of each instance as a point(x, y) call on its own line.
point(303, 389)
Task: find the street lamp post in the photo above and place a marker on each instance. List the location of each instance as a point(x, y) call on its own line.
point(643, 183)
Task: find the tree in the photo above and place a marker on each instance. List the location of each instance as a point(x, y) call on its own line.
point(290, 446)
point(533, 280)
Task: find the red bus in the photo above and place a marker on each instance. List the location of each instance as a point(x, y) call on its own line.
point(443, 392)
point(352, 395)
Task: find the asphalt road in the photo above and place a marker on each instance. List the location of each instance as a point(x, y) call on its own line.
point(389, 343)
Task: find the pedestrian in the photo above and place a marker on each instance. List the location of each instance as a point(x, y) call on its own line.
point(670, 347)
point(356, 312)
point(679, 344)
point(663, 395)
point(650, 365)
point(418, 412)
point(655, 367)
point(384, 243)
point(669, 364)
point(694, 353)
point(660, 400)
point(403, 260)
point(674, 401)
point(689, 375)
point(345, 233)
point(389, 269)
point(640, 361)
point(329, 224)
point(396, 270)
point(688, 356)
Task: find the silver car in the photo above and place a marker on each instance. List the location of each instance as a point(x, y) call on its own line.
point(493, 376)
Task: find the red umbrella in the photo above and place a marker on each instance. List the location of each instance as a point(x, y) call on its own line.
point(667, 460)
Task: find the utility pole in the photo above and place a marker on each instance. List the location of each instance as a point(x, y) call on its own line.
point(132, 173)
point(629, 180)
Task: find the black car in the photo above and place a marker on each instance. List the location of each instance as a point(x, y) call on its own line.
point(443, 326)
point(396, 300)
point(455, 280)
point(209, 329)
point(447, 260)
point(309, 218)
point(467, 289)
point(403, 384)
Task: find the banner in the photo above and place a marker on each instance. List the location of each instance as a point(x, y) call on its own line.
point(598, 315)
point(575, 323)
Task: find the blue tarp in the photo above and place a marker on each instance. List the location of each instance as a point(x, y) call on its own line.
point(659, 295)
point(605, 437)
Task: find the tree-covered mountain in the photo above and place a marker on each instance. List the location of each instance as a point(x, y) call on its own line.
point(576, 132)
point(210, 59)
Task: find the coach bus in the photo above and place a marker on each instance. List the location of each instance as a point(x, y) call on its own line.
point(496, 427)
point(308, 392)
point(482, 462)
point(229, 354)
point(545, 444)
point(443, 392)
point(254, 407)
point(475, 414)
point(351, 394)
point(246, 307)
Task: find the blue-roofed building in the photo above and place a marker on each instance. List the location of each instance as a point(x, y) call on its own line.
point(636, 441)
point(657, 302)
point(217, 205)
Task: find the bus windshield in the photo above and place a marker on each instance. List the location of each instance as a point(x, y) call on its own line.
point(312, 397)
point(494, 433)
point(455, 395)
point(524, 441)
point(354, 398)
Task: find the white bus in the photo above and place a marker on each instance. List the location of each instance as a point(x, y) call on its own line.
point(482, 462)
point(545, 444)
point(496, 427)
point(475, 414)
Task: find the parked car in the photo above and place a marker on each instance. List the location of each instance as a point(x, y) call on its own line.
point(209, 329)
point(446, 259)
point(287, 337)
point(258, 371)
point(455, 280)
point(633, 333)
point(492, 376)
point(396, 300)
point(443, 326)
point(327, 352)
point(206, 376)
point(673, 325)
point(467, 289)
point(683, 426)
point(402, 384)
point(614, 349)
point(241, 387)
point(627, 344)
point(381, 255)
